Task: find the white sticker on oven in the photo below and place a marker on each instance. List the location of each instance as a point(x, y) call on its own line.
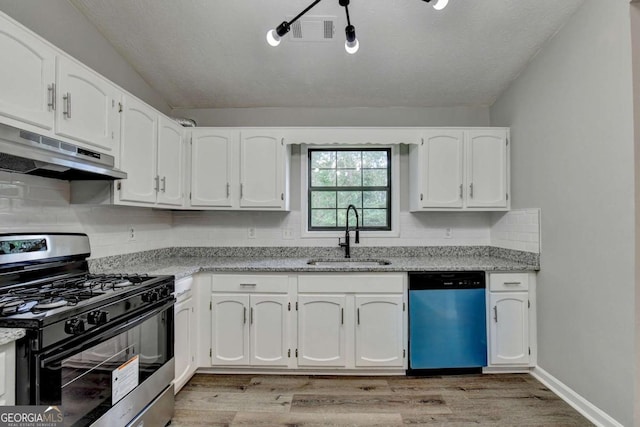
point(124, 379)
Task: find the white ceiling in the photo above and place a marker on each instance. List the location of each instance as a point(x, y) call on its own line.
point(213, 53)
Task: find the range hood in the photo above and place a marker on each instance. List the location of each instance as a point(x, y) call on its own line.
point(29, 153)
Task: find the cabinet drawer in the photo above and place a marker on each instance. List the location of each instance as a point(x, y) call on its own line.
point(509, 282)
point(352, 282)
point(250, 283)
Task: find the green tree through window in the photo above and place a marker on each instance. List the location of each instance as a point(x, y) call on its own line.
point(342, 177)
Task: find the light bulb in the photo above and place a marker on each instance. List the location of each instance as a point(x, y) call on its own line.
point(352, 47)
point(273, 38)
point(440, 4)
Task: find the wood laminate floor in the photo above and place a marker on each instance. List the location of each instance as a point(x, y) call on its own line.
point(476, 400)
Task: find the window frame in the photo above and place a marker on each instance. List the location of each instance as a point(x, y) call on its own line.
point(394, 210)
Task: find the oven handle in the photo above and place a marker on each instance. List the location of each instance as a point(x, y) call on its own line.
point(46, 357)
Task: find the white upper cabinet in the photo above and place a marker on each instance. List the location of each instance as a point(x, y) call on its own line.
point(87, 106)
point(487, 168)
point(441, 173)
point(214, 181)
point(262, 170)
point(454, 169)
point(27, 76)
point(138, 151)
point(170, 162)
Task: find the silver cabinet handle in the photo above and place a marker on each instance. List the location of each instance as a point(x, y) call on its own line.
point(495, 313)
point(67, 105)
point(248, 284)
point(244, 318)
point(471, 190)
point(512, 283)
point(358, 315)
point(52, 97)
point(281, 196)
point(421, 196)
point(156, 187)
point(164, 184)
point(342, 316)
point(241, 190)
point(461, 191)
point(251, 316)
point(228, 190)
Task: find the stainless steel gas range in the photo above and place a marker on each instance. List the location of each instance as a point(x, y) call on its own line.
point(99, 346)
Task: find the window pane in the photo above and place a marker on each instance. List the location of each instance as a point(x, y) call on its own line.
point(342, 215)
point(346, 198)
point(349, 159)
point(324, 199)
point(375, 218)
point(323, 159)
point(374, 159)
point(374, 178)
point(374, 199)
point(323, 218)
point(349, 178)
point(323, 178)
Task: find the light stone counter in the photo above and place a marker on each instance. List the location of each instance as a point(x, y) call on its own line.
point(8, 335)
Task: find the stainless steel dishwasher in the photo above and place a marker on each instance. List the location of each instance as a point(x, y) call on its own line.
point(447, 321)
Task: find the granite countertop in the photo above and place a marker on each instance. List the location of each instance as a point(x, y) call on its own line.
point(187, 266)
point(8, 335)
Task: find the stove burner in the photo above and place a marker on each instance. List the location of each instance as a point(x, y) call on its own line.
point(49, 303)
point(14, 305)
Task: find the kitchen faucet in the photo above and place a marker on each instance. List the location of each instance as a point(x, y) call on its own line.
point(346, 244)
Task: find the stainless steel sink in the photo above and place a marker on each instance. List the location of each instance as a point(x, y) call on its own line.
point(347, 262)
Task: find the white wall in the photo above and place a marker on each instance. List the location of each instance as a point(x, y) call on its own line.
point(34, 204)
point(63, 25)
point(570, 114)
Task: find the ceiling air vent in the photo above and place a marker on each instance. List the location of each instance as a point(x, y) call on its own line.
point(313, 29)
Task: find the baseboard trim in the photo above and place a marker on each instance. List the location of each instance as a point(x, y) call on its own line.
point(579, 403)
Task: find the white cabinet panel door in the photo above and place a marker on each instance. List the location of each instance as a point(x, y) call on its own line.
point(87, 106)
point(262, 173)
point(442, 169)
point(170, 162)
point(213, 170)
point(139, 143)
point(379, 331)
point(321, 335)
point(509, 330)
point(487, 168)
point(269, 330)
point(27, 76)
point(184, 344)
point(230, 329)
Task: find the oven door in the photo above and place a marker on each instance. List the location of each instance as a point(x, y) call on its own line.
point(92, 377)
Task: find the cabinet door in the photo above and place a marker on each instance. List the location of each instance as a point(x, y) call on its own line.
point(87, 106)
point(230, 329)
point(442, 169)
point(262, 174)
point(321, 335)
point(379, 337)
point(213, 170)
point(184, 342)
point(7, 374)
point(487, 173)
point(269, 330)
point(139, 142)
point(509, 330)
point(170, 162)
point(27, 76)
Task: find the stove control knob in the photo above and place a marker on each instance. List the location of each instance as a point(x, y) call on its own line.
point(151, 296)
point(98, 317)
point(74, 326)
point(165, 292)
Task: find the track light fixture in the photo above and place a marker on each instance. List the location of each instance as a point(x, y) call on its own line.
point(351, 44)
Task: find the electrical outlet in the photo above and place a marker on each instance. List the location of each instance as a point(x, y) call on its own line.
point(287, 233)
point(131, 233)
point(251, 233)
point(448, 233)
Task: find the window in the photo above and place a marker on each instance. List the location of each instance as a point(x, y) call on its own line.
point(338, 178)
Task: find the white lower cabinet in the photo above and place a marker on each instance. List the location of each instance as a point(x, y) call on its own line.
point(250, 320)
point(7, 374)
point(185, 333)
point(321, 330)
point(379, 330)
point(511, 318)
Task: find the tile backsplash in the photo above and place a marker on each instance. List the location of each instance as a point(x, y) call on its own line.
point(517, 229)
